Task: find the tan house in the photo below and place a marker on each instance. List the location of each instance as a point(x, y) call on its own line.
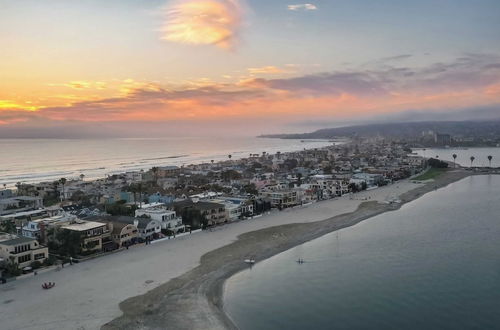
point(281, 199)
point(122, 234)
point(21, 250)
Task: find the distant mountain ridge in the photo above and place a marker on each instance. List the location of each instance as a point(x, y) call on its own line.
point(402, 130)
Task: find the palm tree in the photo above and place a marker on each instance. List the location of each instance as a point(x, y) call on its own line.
point(62, 181)
point(454, 159)
point(472, 160)
point(133, 189)
point(155, 173)
point(229, 156)
point(212, 161)
point(490, 157)
point(82, 176)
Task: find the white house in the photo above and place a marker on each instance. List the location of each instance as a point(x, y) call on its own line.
point(167, 218)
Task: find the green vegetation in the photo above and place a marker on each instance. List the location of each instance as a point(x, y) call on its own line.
point(430, 174)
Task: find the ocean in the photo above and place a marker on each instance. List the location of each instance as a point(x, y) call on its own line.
point(433, 264)
point(36, 160)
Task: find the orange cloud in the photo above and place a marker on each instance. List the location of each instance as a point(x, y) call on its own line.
point(340, 94)
point(267, 70)
point(203, 22)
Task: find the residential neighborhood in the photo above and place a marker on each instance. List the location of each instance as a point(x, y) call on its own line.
point(50, 223)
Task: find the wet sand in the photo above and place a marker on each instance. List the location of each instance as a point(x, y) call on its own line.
point(194, 300)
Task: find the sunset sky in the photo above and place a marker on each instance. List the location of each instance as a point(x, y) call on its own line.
point(118, 67)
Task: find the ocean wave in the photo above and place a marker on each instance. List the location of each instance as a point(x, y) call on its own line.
point(167, 157)
point(27, 176)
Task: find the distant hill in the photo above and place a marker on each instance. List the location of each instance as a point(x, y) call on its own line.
point(481, 129)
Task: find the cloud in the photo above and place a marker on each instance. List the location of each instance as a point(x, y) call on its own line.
point(267, 70)
point(471, 81)
point(204, 22)
point(303, 6)
point(81, 84)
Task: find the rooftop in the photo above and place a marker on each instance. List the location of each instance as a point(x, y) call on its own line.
point(7, 239)
point(82, 226)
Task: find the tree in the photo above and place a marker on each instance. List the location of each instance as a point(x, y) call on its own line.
point(62, 181)
point(68, 242)
point(229, 156)
point(81, 198)
point(12, 267)
point(82, 176)
point(251, 189)
point(364, 185)
point(472, 160)
point(490, 157)
point(193, 218)
point(155, 173)
point(299, 179)
point(436, 163)
point(454, 159)
point(136, 188)
point(230, 175)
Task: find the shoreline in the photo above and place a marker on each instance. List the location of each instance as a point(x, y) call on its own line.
point(195, 299)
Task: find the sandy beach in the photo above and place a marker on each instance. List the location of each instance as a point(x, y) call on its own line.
point(177, 284)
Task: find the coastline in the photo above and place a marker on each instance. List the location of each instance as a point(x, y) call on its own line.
point(194, 300)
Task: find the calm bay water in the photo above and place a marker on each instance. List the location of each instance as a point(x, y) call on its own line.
point(464, 154)
point(433, 264)
point(34, 160)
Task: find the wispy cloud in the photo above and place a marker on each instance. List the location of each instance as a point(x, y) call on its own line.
point(302, 6)
point(203, 22)
point(270, 69)
point(470, 81)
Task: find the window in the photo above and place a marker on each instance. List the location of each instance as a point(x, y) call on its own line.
point(23, 259)
point(39, 256)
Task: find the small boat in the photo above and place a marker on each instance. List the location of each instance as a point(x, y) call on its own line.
point(249, 261)
point(49, 285)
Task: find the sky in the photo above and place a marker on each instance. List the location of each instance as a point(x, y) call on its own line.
point(204, 67)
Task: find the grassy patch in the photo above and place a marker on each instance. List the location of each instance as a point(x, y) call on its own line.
point(430, 174)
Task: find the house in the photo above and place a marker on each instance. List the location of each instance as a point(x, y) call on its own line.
point(122, 233)
point(147, 228)
point(21, 250)
point(168, 218)
point(5, 193)
point(213, 213)
point(370, 179)
point(93, 235)
point(37, 228)
point(281, 199)
point(20, 204)
point(168, 171)
point(236, 208)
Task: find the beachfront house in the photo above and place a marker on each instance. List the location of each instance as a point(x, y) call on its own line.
point(147, 228)
point(281, 199)
point(197, 213)
point(21, 250)
point(122, 233)
point(93, 236)
point(168, 218)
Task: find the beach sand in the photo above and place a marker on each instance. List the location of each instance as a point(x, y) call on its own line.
point(177, 284)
